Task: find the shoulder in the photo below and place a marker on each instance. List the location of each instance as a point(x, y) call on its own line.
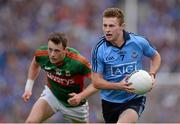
point(141, 40)
point(73, 50)
point(76, 56)
point(137, 38)
point(100, 44)
point(41, 54)
point(41, 51)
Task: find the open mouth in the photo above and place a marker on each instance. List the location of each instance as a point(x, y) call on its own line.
point(108, 35)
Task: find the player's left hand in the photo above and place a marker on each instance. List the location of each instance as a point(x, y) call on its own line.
point(75, 99)
point(26, 96)
point(153, 84)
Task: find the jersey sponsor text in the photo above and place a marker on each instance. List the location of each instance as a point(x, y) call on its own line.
point(62, 81)
point(123, 69)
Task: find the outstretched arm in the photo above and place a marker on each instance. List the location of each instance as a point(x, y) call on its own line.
point(33, 72)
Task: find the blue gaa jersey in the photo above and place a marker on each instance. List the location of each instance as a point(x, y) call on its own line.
point(115, 63)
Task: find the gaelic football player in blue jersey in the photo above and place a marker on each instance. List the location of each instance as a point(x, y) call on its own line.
point(116, 55)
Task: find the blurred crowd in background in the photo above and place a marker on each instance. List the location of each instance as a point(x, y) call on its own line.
point(26, 24)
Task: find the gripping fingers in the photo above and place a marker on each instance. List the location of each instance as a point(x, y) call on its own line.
point(26, 98)
point(128, 84)
point(72, 102)
point(129, 88)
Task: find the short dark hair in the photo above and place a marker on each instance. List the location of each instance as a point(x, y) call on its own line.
point(114, 12)
point(57, 38)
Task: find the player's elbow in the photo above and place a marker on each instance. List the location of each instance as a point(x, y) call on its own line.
point(96, 80)
point(95, 84)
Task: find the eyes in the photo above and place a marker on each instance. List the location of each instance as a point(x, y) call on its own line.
point(110, 26)
point(54, 50)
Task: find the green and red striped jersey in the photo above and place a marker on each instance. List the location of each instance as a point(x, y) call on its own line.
point(67, 77)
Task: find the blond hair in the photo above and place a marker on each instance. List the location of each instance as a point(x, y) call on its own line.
point(114, 12)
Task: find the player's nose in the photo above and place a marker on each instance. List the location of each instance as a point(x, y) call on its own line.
point(107, 29)
point(52, 54)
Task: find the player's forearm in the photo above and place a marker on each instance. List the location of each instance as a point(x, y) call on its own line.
point(155, 63)
point(88, 91)
point(100, 83)
point(34, 70)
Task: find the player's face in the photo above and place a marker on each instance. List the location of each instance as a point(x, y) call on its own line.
point(56, 52)
point(112, 29)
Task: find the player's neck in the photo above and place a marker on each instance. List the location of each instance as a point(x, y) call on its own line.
point(61, 62)
point(119, 42)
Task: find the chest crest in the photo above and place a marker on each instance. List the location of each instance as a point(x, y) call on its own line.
point(63, 72)
point(134, 54)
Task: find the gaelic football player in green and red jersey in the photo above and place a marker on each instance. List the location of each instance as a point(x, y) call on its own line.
point(66, 70)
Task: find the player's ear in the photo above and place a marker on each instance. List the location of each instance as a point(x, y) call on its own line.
point(123, 25)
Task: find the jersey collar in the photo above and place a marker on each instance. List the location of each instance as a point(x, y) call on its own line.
point(59, 63)
point(126, 35)
point(126, 38)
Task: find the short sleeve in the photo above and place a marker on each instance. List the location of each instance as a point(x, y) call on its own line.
point(148, 49)
point(97, 60)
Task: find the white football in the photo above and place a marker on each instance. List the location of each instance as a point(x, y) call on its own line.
point(141, 81)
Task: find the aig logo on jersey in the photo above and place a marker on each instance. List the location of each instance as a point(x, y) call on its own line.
point(123, 69)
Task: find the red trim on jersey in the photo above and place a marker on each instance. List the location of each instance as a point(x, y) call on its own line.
point(48, 84)
point(88, 75)
point(41, 53)
point(79, 58)
point(80, 80)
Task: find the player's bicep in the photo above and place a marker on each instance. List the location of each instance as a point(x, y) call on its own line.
point(34, 61)
point(34, 70)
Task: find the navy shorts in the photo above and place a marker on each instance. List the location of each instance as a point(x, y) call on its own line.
point(111, 111)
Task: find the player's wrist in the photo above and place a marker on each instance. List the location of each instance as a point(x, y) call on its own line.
point(153, 74)
point(29, 85)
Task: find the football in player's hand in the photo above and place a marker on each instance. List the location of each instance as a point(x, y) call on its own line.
point(141, 81)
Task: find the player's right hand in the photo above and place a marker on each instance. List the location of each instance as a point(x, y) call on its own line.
point(75, 99)
point(26, 96)
point(124, 85)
